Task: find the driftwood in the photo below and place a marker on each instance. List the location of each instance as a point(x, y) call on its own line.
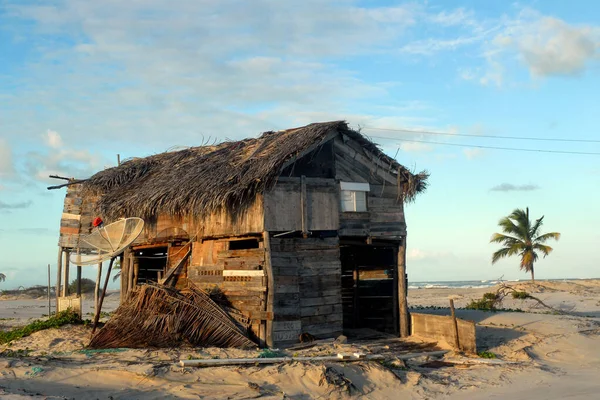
point(505, 290)
point(277, 360)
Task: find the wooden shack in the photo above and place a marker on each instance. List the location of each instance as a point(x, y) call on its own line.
point(302, 230)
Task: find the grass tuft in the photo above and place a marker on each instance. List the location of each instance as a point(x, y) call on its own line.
point(56, 321)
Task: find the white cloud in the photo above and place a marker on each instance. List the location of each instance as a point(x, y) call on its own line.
point(416, 254)
point(53, 139)
point(58, 159)
point(510, 187)
point(177, 70)
point(473, 153)
point(550, 46)
point(415, 146)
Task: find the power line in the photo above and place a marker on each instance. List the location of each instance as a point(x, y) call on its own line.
point(479, 136)
point(500, 148)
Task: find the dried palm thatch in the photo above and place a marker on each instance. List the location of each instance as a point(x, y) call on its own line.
point(199, 180)
point(161, 316)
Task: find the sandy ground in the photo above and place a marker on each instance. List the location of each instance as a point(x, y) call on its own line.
point(544, 355)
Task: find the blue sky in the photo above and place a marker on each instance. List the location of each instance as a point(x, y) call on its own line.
point(81, 81)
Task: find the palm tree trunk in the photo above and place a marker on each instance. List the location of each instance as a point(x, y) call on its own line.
point(532, 275)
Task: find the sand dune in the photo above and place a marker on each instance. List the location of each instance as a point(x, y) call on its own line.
point(551, 357)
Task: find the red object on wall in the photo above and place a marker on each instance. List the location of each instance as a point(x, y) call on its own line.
point(97, 222)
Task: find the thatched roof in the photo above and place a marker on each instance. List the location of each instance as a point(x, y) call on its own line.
point(199, 180)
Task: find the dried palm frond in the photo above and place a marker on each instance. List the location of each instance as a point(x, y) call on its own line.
point(161, 316)
point(198, 181)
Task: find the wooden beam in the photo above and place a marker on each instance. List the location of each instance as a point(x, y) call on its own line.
point(97, 288)
point(171, 271)
point(130, 273)
point(243, 272)
point(270, 288)
point(402, 303)
point(66, 284)
point(454, 325)
point(304, 206)
point(58, 275)
point(275, 360)
point(355, 156)
point(97, 315)
point(79, 281)
point(331, 135)
point(125, 273)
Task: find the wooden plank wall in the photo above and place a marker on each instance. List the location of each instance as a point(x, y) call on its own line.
point(384, 218)
point(307, 278)
point(76, 218)
point(385, 212)
point(283, 209)
point(238, 274)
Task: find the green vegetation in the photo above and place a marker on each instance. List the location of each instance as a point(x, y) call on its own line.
point(488, 302)
point(87, 286)
point(2, 277)
point(486, 354)
point(520, 295)
point(268, 353)
point(523, 239)
point(56, 321)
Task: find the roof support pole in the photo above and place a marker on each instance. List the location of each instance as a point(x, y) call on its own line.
point(97, 288)
point(58, 275)
point(270, 288)
point(402, 290)
point(79, 281)
point(66, 284)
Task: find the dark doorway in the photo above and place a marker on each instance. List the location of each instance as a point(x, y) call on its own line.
point(369, 286)
point(151, 264)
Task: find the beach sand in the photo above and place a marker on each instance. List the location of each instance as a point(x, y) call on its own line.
point(546, 355)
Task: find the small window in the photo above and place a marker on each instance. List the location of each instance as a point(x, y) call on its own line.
point(354, 196)
point(243, 244)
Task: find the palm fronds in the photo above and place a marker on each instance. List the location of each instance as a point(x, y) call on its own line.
point(200, 180)
point(522, 238)
point(161, 316)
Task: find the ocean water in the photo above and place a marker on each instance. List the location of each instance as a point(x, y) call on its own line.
point(473, 284)
point(453, 284)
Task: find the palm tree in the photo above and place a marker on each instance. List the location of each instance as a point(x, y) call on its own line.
point(523, 239)
point(2, 277)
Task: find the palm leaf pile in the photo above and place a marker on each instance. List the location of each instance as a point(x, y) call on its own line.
point(161, 316)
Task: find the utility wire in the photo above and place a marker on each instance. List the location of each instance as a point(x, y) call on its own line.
point(479, 136)
point(500, 148)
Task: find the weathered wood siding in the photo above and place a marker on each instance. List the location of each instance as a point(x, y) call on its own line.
point(283, 205)
point(76, 218)
point(307, 279)
point(238, 274)
point(384, 217)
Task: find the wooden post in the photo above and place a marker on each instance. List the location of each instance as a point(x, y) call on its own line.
point(270, 288)
point(79, 281)
point(49, 306)
point(130, 273)
point(136, 270)
point(66, 284)
point(124, 273)
point(97, 289)
point(58, 275)
point(402, 303)
point(455, 325)
point(97, 315)
point(304, 206)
